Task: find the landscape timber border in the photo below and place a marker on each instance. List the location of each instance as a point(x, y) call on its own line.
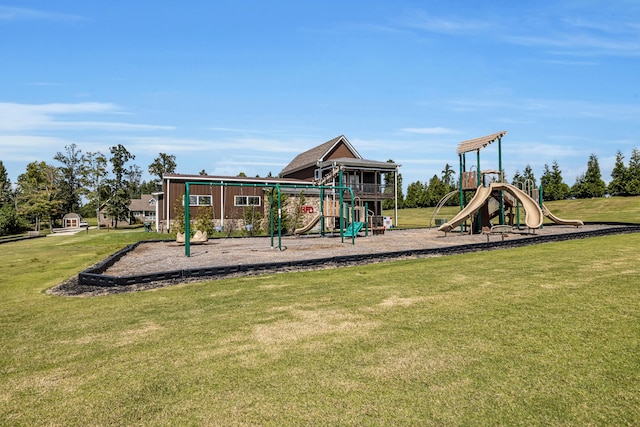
point(94, 276)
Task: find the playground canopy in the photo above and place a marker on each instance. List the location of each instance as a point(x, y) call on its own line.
point(478, 144)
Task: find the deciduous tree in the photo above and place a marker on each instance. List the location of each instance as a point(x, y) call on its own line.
point(162, 164)
point(93, 172)
point(39, 193)
point(120, 197)
point(70, 177)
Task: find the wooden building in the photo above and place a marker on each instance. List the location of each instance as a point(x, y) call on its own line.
point(333, 163)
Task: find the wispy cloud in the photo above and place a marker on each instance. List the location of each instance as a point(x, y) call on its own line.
point(33, 117)
point(561, 36)
point(431, 131)
point(425, 21)
point(8, 14)
point(540, 107)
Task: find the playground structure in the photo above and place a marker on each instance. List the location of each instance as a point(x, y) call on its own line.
point(495, 198)
point(343, 211)
point(357, 216)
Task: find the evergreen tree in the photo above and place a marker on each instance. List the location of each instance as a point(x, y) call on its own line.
point(553, 186)
point(147, 187)
point(5, 186)
point(518, 179)
point(619, 177)
point(390, 188)
point(590, 184)
point(435, 191)
point(633, 184)
point(415, 195)
point(529, 178)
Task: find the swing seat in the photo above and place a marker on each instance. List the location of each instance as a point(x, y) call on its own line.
point(199, 237)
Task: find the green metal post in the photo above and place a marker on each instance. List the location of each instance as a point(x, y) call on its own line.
point(271, 221)
point(187, 222)
point(541, 201)
point(353, 218)
point(366, 219)
point(322, 211)
point(279, 217)
point(460, 181)
point(462, 170)
point(479, 173)
point(502, 222)
point(341, 210)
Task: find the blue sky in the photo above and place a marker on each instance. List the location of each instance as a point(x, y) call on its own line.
point(231, 86)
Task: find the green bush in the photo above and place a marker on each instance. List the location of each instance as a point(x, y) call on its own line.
point(10, 221)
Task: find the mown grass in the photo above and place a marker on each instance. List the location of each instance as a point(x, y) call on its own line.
point(544, 335)
point(613, 209)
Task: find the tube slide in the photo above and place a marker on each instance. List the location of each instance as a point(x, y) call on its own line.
point(533, 213)
point(479, 199)
point(308, 226)
point(552, 217)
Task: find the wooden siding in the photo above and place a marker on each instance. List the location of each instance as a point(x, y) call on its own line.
point(340, 151)
point(176, 191)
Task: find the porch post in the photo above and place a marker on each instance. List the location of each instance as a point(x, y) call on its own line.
point(395, 205)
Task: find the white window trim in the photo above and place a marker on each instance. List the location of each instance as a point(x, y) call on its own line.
point(237, 201)
point(198, 198)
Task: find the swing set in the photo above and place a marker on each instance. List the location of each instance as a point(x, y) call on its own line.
point(274, 223)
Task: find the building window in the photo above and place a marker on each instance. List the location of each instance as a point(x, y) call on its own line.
point(246, 200)
point(195, 200)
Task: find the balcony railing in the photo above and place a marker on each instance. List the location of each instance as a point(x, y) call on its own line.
point(372, 190)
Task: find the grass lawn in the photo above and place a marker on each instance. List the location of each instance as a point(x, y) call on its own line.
point(543, 335)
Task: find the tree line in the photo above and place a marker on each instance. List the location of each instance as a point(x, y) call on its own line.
point(625, 181)
point(87, 182)
point(79, 182)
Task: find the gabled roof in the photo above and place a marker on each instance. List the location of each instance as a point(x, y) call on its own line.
point(479, 143)
point(318, 154)
point(141, 204)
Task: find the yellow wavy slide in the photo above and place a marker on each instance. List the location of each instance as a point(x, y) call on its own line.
point(533, 213)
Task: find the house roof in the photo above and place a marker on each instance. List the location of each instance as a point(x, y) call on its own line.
point(141, 204)
point(318, 154)
point(478, 144)
point(233, 179)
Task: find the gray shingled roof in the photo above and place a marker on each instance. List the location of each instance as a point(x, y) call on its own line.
point(142, 204)
point(479, 143)
point(312, 156)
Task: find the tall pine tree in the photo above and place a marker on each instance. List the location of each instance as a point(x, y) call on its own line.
point(619, 177)
point(553, 186)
